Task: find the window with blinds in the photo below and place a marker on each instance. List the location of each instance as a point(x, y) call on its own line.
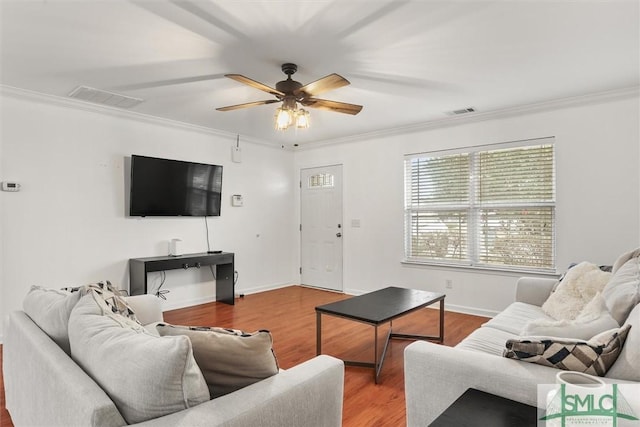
point(486, 207)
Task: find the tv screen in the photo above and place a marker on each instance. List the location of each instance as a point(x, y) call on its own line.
point(163, 187)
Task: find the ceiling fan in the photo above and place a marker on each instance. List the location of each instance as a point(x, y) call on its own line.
point(291, 92)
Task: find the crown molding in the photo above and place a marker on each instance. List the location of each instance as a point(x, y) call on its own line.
point(555, 104)
point(127, 114)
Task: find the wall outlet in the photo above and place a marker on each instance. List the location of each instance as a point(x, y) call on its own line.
point(448, 283)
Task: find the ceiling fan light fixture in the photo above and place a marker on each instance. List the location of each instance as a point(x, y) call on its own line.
point(302, 119)
point(291, 93)
point(284, 118)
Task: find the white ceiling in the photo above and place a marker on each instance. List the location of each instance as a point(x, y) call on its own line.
point(409, 62)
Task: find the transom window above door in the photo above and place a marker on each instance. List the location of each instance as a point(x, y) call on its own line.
point(321, 180)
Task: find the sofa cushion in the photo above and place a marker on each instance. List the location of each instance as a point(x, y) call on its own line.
point(514, 318)
point(593, 319)
point(593, 357)
point(627, 367)
point(230, 359)
point(145, 376)
point(576, 289)
point(50, 310)
point(486, 340)
point(622, 293)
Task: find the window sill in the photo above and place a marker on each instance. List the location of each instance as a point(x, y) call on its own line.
point(482, 269)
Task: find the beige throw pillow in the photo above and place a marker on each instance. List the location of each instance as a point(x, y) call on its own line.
point(229, 359)
point(145, 376)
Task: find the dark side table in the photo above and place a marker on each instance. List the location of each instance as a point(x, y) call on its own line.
point(481, 409)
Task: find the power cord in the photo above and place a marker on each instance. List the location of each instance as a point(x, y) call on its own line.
point(206, 224)
point(160, 293)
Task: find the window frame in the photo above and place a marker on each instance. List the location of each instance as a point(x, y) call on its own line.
point(474, 206)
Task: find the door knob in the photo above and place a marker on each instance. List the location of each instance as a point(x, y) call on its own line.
point(338, 234)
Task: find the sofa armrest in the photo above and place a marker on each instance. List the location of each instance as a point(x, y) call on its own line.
point(534, 290)
point(148, 308)
point(436, 375)
point(309, 394)
point(44, 386)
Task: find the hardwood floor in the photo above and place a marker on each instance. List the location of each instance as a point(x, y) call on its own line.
point(290, 316)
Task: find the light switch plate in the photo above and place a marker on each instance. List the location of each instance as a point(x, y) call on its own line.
point(10, 186)
point(236, 200)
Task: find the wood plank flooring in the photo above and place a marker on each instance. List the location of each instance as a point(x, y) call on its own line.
point(290, 316)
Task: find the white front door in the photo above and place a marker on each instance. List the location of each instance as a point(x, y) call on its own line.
point(321, 227)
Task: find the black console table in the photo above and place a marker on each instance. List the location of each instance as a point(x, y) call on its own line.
point(139, 267)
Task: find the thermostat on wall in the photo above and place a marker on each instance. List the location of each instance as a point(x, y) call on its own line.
point(10, 186)
point(236, 200)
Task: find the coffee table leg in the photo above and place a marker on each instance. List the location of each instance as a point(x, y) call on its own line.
point(378, 365)
point(318, 333)
point(376, 371)
point(441, 321)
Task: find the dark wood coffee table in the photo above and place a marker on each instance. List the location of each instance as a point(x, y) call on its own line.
point(377, 308)
point(478, 408)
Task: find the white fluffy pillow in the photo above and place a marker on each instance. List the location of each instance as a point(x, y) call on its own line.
point(593, 319)
point(579, 286)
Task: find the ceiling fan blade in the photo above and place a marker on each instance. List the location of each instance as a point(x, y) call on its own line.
point(325, 84)
point(255, 84)
point(246, 105)
point(324, 104)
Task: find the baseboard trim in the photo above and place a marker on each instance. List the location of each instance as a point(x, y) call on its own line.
point(168, 305)
point(174, 305)
point(469, 310)
point(264, 288)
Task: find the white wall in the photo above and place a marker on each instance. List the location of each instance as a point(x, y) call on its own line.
point(598, 196)
point(67, 226)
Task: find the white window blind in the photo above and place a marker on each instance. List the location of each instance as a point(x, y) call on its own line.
point(486, 207)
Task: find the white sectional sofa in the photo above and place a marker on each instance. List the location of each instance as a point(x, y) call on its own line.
point(436, 375)
point(45, 386)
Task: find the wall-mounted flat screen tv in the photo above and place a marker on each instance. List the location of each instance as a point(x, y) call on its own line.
point(164, 187)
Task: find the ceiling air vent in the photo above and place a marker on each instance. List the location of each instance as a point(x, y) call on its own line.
point(461, 111)
point(104, 97)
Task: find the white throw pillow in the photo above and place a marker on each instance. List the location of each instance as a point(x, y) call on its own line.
point(622, 259)
point(50, 310)
point(593, 319)
point(579, 286)
point(626, 367)
point(622, 293)
point(145, 376)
